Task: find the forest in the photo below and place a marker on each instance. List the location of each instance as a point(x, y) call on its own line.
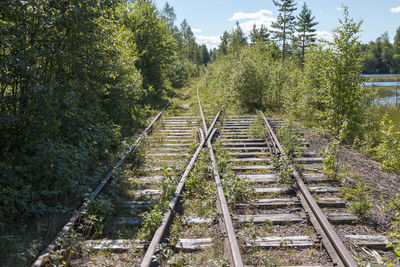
point(80, 79)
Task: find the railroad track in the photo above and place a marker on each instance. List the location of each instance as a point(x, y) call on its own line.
point(177, 204)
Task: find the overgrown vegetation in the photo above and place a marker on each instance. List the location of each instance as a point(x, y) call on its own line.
point(324, 90)
point(76, 80)
point(330, 162)
point(394, 236)
point(359, 197)
point(388, 150)
point(290, 139)
point(284, 165)
point(237, 189)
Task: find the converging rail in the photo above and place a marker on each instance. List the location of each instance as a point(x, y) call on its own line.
point(158, 236)
point(168, 216)
point(269, 222)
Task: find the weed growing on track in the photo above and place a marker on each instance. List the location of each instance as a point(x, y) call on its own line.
point(359, 197)
point(290, 139)
point(330, 162)
point(236, 188)
point(94, 217)
point(153, 218)
point(91, 225)
point(257, 128)
point(283, 164)
point(198, 184)
point(394, 236)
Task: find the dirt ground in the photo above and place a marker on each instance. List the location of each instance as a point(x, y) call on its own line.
point(384, 184)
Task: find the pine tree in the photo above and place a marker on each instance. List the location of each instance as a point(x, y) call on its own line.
point(259, 35)
point(189, 43)
point(396, 43)
point(237, 39)
point(223, 46)
point(205, 54)
point(284, 26)
point(168, 13)
point(305, 28)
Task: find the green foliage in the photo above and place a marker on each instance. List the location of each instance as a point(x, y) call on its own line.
point(197, 184)
point(330, 162)
point(381, 55)
point(251, 78)
point(154, 43)
point(388, 151)
point(359, 197)
point(290, 139)
point(330, 91)
point(257, 128)
point(284, 25)
point(394, 235)
point(284, 165)
point(94, 216)
point(151, 221)
point(237, 189)
point(305, 28)
point(259, 35)
point(77, 78)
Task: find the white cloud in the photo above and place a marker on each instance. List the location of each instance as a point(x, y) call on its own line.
point(261, 17)
point(195, 30)
point(395, 9)
point(211, 41)
point(256, 15)
point(339, 8)
point(325, 35)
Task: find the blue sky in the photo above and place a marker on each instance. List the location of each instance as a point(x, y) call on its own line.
point(210, 18)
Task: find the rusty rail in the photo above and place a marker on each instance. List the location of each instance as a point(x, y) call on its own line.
point(71, 222)
point(201, 113)
point(233, 244)
point(333, 238)
point(159, 234)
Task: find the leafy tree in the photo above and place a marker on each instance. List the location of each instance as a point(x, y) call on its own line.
point(154, 43)
point(76, 79)
point(284, 25)
point(331, 89)
point(305, 29)
point(381, 55)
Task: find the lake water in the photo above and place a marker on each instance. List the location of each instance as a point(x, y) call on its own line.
point(381, 83)
point(374, 75)
point(388, 101)
point(385, 101)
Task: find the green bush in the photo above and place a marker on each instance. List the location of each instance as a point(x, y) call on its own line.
point(290, 139)
point(388, 151)
point(359, 197)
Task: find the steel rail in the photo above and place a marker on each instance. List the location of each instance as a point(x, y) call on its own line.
point(160, 232)
point(233, 244)
point(227, 220)
point(201, 113)
point(343, 253)
point(71, 222)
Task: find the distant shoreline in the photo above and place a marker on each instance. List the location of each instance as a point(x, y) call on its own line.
point(382, 77)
